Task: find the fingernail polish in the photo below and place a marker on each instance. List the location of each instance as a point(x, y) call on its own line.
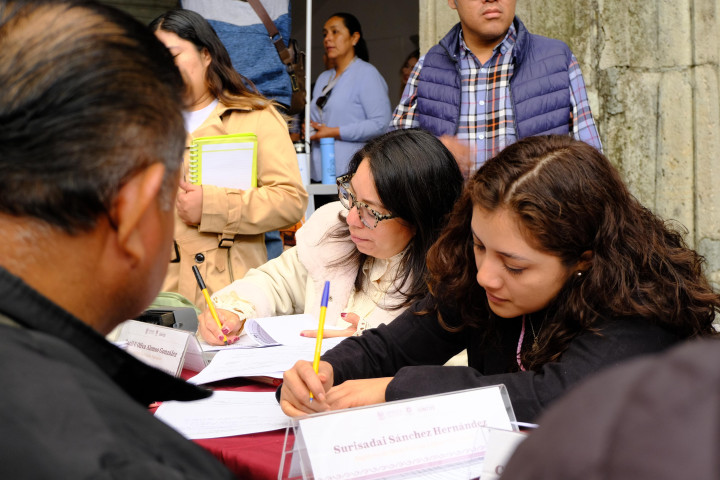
point(343, 314)
point(225, 330)
point(221, 337)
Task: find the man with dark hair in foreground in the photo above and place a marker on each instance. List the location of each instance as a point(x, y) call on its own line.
point(92, 140)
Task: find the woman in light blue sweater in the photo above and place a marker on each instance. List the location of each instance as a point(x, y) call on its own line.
point(350, 102)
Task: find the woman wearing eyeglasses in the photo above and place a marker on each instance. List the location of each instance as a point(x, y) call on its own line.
point(370, 245)
point(350, 101)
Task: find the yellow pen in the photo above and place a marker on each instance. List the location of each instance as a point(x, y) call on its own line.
point(201, 284)
point(321, 328)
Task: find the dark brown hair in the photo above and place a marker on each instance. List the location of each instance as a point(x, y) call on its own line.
point(224, 83)
point(418, 181)
point(569, 199)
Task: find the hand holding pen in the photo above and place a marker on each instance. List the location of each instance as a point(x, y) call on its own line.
point(214, 334)
point(213, 312)
point(305, 384)
point(299, 381)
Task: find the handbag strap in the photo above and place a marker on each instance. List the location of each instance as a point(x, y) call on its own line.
point(275, 36)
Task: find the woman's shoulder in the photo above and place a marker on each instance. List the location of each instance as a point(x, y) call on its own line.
point(359, 63)
point(366, 79)
point(316, 247)
point(635, 330)
point(366, 68)
point(325, 74)
point(247, 115)
point(320, 222)
point(238, 104)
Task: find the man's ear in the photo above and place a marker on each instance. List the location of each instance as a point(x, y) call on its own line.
point(451, 4)
point(134, 200)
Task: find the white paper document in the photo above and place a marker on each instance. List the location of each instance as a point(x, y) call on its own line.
point(269, 331)
point(269, 361)
point(224, 414)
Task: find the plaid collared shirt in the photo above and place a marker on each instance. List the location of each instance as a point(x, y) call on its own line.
point(486, 118)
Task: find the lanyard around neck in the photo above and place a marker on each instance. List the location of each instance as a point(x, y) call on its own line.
point(335, 78)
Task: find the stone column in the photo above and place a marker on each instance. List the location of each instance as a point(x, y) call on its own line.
point(652, 70)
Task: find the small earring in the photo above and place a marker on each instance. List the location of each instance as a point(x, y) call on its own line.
point(579, 274)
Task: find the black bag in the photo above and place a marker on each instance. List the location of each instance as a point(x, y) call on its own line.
point(290, 55)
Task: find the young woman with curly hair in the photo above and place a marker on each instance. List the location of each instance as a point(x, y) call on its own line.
point(548, 271)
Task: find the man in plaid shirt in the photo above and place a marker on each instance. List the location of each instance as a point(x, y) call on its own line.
point(490, 82)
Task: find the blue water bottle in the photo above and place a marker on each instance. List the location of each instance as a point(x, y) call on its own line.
point(327, 153)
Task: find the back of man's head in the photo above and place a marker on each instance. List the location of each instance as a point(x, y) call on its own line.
point(89, 97)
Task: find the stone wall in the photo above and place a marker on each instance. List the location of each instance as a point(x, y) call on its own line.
point(652, 72)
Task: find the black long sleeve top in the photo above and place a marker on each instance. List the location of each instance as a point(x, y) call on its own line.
point(413, 349)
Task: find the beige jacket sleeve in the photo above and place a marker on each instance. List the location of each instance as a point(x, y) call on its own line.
point(276, 288)
point(280, 199)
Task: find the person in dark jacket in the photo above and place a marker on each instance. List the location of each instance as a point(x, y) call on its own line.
point(490, 82)
point(655, 418)
point(92, 138)
point(570, 275)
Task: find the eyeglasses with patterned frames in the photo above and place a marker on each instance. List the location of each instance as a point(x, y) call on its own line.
point(369, 217)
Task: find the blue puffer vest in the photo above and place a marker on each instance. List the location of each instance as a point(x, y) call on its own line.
point(539, 87)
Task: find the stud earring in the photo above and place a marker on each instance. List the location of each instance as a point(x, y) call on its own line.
point(579, 274)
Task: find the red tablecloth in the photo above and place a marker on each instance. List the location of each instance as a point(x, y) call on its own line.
point(254, 456)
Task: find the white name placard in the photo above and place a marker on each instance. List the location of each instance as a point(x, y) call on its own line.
point(168, 349)
point(423, 436)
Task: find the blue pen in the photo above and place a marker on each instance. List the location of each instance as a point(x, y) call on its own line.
point(321, 328)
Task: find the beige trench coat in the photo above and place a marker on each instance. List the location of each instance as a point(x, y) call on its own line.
point(241, 217)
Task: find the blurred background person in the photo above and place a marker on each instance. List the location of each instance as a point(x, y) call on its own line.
point(350, 101)
point(246, 39)
point(254, 56)
point(407, 68)
point(490, 82)
point(221, 229)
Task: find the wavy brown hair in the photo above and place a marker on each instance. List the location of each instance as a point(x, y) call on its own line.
point(568, 199)
point(224, 83)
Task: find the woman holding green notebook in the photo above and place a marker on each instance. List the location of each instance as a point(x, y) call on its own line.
point(220, 229)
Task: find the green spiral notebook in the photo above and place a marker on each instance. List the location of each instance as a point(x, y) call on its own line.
point(224, 161)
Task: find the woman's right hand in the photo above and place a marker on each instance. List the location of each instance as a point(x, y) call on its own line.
point(352, 318)
point(323, 131)
point(231, 322)
point(299, 381)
